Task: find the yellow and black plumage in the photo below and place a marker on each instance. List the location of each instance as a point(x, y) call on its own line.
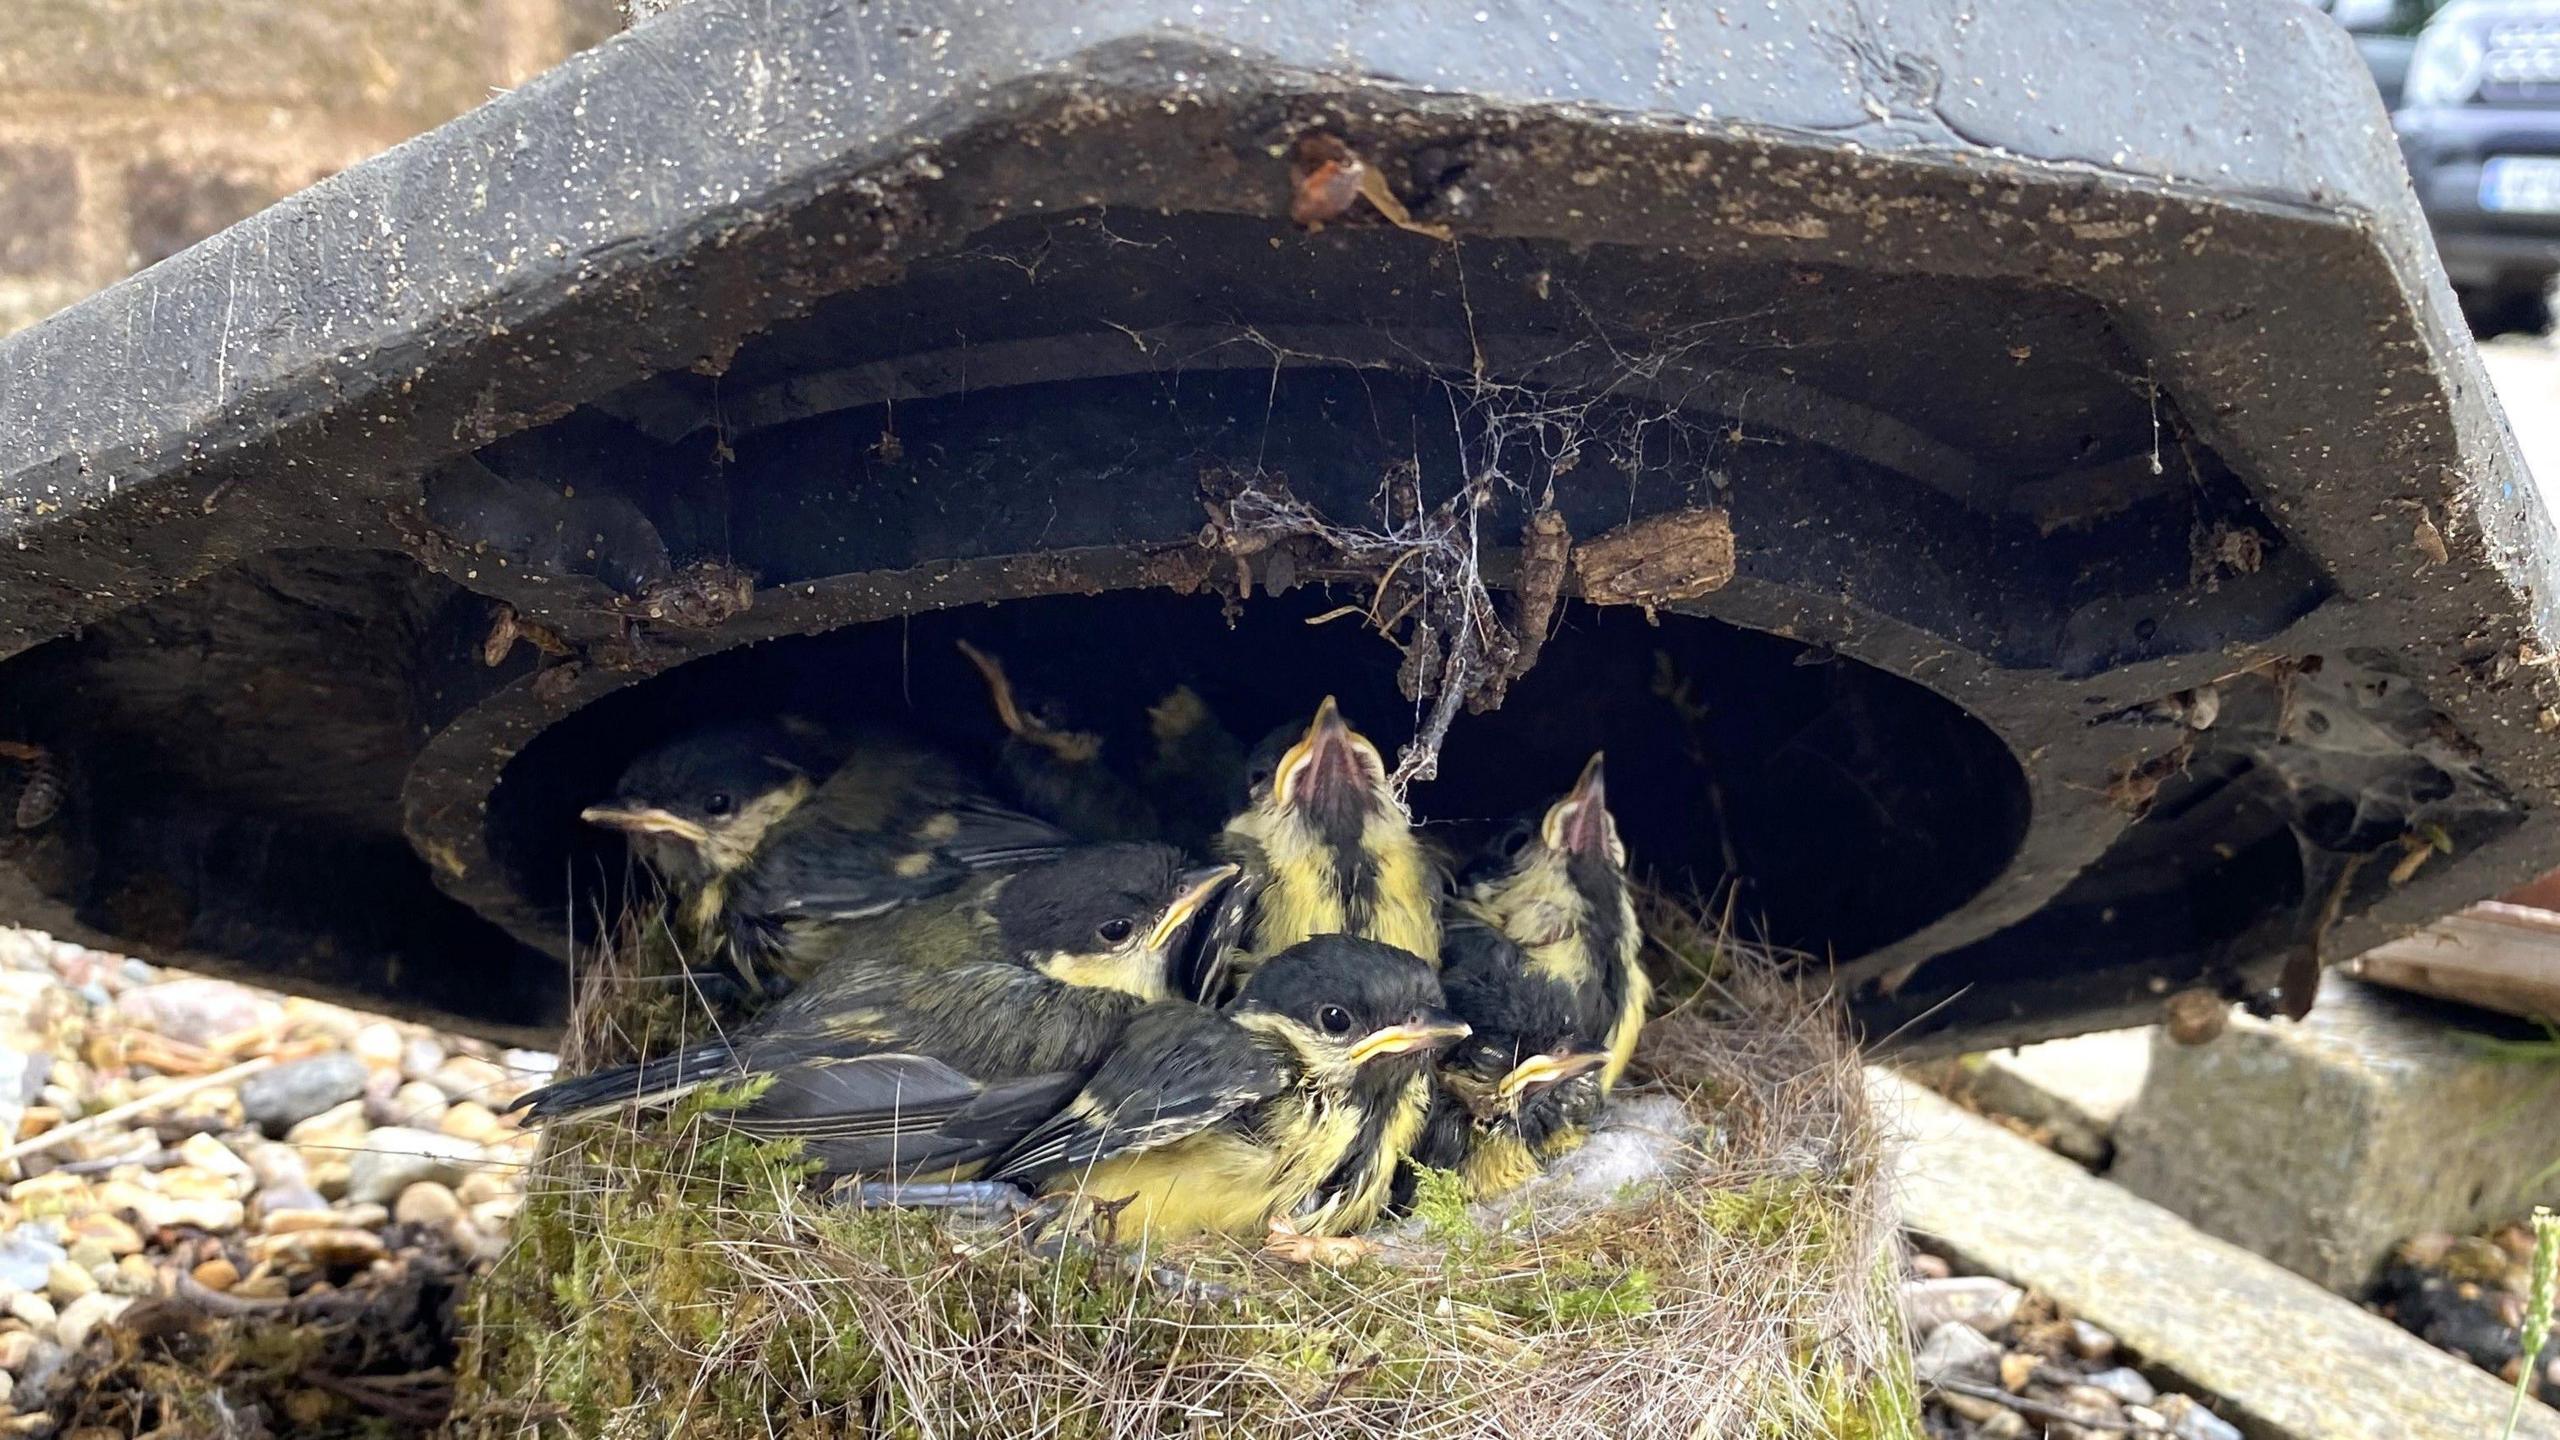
point(1326, 849)
point(1057, 771)
point(1190, 782)
point(1229, 1121)
point(765, 858)
point(1556, 889)
point(1519, 1090)
point(1541, 959)
point(1195, 768)
point(942, 1031)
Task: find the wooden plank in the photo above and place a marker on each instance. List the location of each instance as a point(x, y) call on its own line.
point(2280, 1357)
point(2497, 956)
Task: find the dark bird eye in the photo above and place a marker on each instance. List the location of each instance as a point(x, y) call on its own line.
point(1115, 931)
point(1515, 841)
point(718, 804)
point(1335, 1020)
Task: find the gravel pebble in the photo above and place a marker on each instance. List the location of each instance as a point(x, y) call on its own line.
point(195, 1182)
point(288, 1200)
point(2189, 1420)
point(473, 1121)
point(420, 1057)
point(1986, 1304)
point(396, 1157)
point(83, 1316)
point(379, 1046)
point(341, 1247)
point(430, 1204)
point(276, 1166)
point(2127, 1386)
point(163, 1212)
point(26, 1258)
point(199, 1011)
point(276, 1100)
point(105, 1231)
point(1955, 1351)
point(68, 1282)
point(132, 1276)
point(335, 1130)
point(468, 1077)
point(419, 1105)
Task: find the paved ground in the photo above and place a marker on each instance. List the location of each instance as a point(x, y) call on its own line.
point(2527, 374)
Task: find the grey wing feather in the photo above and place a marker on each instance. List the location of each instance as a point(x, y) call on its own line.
point(993, 837)
point(1179, 1069)
point(899, 1114)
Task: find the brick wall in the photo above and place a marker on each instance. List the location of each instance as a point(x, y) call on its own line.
point(129, 129)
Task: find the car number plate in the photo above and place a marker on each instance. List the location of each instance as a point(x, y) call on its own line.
point(2521, 184)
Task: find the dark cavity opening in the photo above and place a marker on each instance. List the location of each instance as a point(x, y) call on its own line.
point(1848, 807)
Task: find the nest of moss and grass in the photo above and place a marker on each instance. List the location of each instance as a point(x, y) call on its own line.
point(370, 1359)
point(676, 1277)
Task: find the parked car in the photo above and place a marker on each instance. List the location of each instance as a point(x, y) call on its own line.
point(2386, 32)
point(2479, 124)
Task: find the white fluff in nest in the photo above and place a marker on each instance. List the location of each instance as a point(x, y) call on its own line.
point(1641, 1139)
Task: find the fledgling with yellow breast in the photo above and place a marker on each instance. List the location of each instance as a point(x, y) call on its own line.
point(1208, 1121)
point(1327, 849)
point(1558, 889)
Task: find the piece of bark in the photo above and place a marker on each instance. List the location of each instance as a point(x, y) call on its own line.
point(1659, 560)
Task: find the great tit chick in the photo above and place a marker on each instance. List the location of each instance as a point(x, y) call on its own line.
point(936, 1036)
point(1556, 887)
point(1227, 1121)
point(1508, 1102)
point(765, 862)
point(1326, 849)
point(1058, 772)
point(1196, 771)
point(699, 807)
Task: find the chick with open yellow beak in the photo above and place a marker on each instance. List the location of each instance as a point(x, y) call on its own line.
point(1556, 889)
point(1326, 849)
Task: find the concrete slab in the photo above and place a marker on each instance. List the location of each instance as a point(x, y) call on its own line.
point(2324, 1144)
point(2285, 1359)
point(2072, 1091)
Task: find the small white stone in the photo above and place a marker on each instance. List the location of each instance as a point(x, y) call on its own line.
point(207, 1153)
point(379, 1046)
point(83, 1316)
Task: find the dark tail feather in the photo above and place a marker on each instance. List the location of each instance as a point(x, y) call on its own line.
point(1204, 967)
point(650, 1082)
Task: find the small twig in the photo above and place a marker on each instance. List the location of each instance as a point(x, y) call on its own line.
point(155, 1160)
point(2039, 1410)
point(300, 1309)
point(118, 1114)
point(421, 1398)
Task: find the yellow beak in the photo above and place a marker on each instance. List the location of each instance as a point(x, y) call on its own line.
point(1580, 821)
point(1541, 1071)
point(645, 820)
point(1330, 745)
point(1429, 1032)
point(1202, 884)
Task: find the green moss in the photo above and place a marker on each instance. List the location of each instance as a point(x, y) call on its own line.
point(1440, 1203)
point(678, 1278)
